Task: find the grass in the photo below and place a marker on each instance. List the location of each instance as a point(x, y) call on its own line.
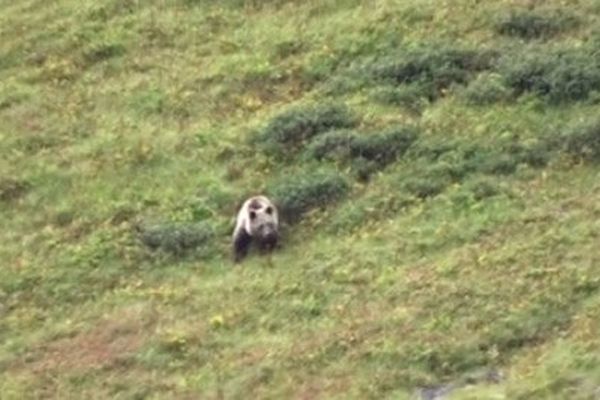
point(435, 164)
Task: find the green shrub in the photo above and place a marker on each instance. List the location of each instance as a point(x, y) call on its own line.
point(455, 170)
point(453, 162)
point(583, 141)
point(99, 52)
point(499, 164)
point(288, 48)
point(431, 69)
point(367, 152)
point(536, 156)
point(503, 158)
point(13, 189)
point(412, 96)
point(528, 24)
point(482, 188)
point(290, 130)
point(385, 147)
point(486, 89)
point(427, 185)
point(175, 238)
point(334, 145)
point(558, 76)
point(299, 195)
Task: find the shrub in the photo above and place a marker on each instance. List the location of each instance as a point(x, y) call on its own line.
point(454, 170)
point(486, 89)
point(559, 76)
point(455, 162)
point(99, 52)
point(499, 164)
point(175, 238)
point(367, 153)
point(412, 96)
point(504, 158)
point(432, 69)
point(528, 24)
point(289, 130)
point(334, 145)
point(424, 187)
point(384, 147)
point(482, 188)
point(298, 196)
point(13, 189)
point(288, 48)
point(583, 141)
point(536, 156)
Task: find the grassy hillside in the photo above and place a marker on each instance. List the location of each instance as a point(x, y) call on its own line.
point(437, 164)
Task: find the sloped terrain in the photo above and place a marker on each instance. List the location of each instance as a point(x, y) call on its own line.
point(436, 164)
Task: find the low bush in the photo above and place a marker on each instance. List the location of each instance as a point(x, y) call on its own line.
point(482, 187)
point(582, 141)
point(366, 152)
point(446, 163)
point(499, 159)
point(486, 89)
point(13, 189)
point(99, 52)
point(532, 24)
point(297, 196)
point(175, 238)
point(558, 76)
point(432, 69)
point(334, 145)
point(384, 147)
point(424, 187)
point(289, 130)
point(412, 96)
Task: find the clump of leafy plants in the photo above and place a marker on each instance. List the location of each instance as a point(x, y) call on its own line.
point(482, 188)
point(431, 70)
point(448, 163)
point(290, 130)
point(297, 196)
point(486, 89)
point(582, 141)
point(12, 189)
point(365, 152)
point(412, 96)
point(99, 52)
point(533, 24)
point(427, 186)
point(175, 238)
point(558, 76)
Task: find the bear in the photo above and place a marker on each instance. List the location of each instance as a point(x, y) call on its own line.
point(258, 221)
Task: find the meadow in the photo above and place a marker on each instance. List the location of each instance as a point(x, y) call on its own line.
point(436, 164)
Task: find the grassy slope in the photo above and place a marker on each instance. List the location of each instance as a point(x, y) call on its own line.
point(128, 110)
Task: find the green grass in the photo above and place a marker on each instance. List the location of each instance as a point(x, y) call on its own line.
point(436, 164)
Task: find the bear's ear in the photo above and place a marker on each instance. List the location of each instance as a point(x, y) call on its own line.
point(269, 210)
point(252, 215)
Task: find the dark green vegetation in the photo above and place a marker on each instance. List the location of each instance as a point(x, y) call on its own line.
point(438, 162)
point(534, 24)
point(286, 132)
point(175, 238)
point(305, 192)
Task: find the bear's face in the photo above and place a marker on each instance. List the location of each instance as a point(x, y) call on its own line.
point(263, 223)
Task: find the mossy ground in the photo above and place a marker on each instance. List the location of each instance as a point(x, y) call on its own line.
point(472, 245)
